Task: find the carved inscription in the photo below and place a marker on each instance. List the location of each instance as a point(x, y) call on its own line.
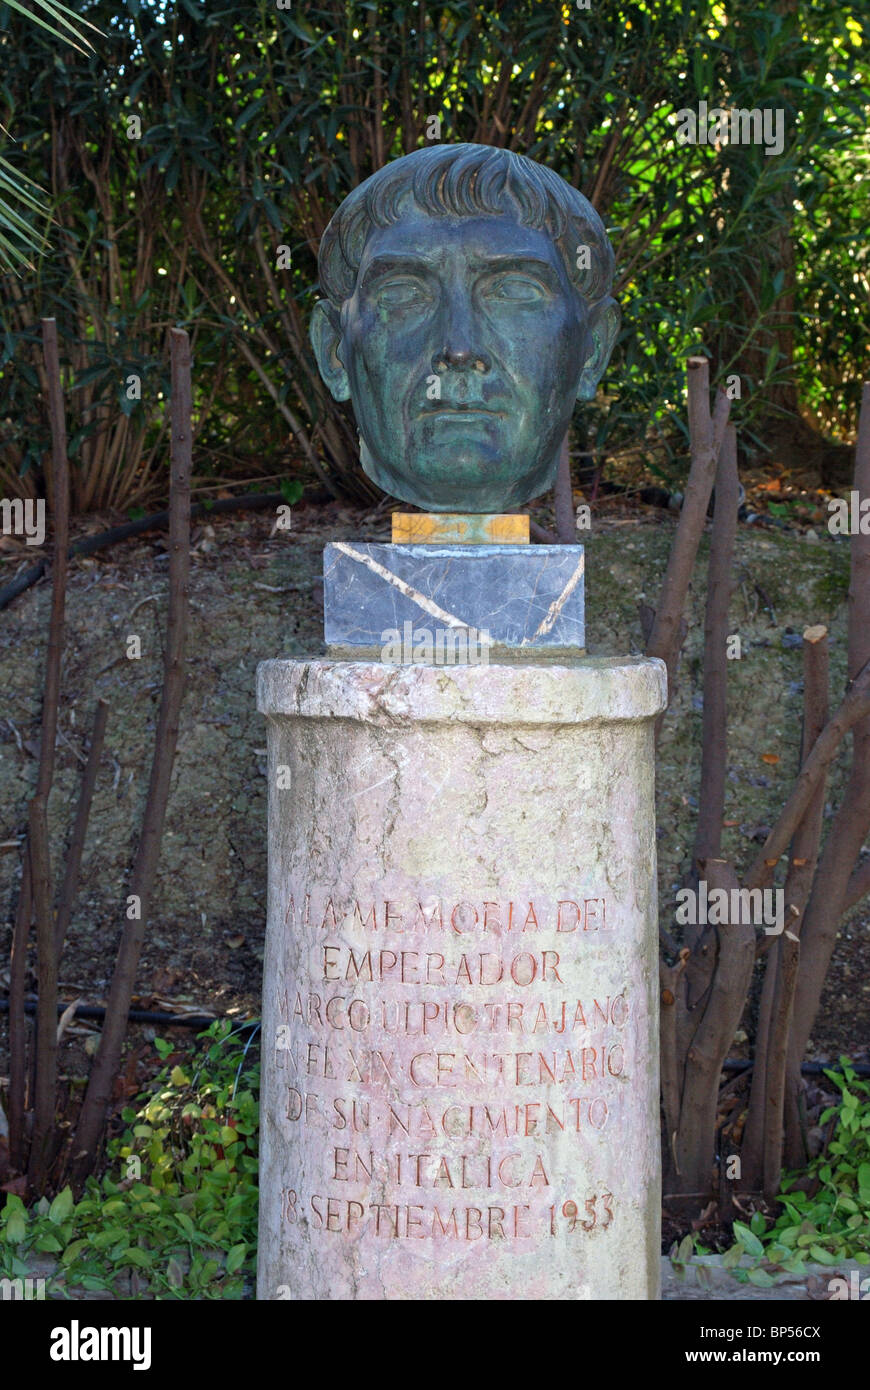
point(457, 1076)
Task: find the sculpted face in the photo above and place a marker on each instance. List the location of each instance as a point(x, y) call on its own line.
point(463, 348)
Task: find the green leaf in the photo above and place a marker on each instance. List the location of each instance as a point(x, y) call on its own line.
point(822, 1256)
point(48, 1243)
point(73, 1250)
point(134, 1255)
point(61, 1207)
point(236, 1257)
point(58, 12)
point(249, 113)
point(750, 1242)
point(16, 1228)
point(761, 1278)
point(291, 489)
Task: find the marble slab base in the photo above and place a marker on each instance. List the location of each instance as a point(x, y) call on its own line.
point(527, 597)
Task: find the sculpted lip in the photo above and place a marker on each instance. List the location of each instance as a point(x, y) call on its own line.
point(459, 412)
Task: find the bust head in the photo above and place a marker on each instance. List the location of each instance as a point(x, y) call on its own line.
point(467, 307)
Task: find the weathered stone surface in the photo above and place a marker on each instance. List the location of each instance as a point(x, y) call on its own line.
point(460, 1023)
point(528, 596)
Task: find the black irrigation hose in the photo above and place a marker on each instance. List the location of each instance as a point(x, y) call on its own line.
point(88, 544)
point(651, 496)
point(97, 1011)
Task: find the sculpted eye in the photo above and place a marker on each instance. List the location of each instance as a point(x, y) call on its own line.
point(516, 287)
point(400, 293)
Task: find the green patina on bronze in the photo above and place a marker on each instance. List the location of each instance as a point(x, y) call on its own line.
point(459, 270)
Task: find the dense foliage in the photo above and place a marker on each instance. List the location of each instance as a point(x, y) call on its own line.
point(824, 1215)
point(254, 121)
point(177, 1203)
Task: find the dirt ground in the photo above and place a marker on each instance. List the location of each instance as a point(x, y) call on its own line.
point(254, 596)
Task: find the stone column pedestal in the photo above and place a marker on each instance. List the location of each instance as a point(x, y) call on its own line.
point(460, 1022)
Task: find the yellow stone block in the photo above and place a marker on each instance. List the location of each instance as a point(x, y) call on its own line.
point(459, 528)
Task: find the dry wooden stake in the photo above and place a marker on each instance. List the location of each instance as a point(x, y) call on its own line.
point(711, 799)
point(108, 1059)
point(705, 437)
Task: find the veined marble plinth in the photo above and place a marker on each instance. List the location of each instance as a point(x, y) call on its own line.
point(526, 597)
point(460, 1016)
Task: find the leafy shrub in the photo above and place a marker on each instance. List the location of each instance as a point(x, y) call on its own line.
point(183, 1212)
point(831, 1225)
point(256, 122)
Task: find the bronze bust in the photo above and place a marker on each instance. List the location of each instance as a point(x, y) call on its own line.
point(467, 307)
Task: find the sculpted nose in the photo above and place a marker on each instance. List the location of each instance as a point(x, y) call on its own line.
point(453, 356)
point(461, 358)
point(459, 350)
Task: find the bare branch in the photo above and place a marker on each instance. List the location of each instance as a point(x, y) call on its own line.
point(80, 826)
point(705, 436)
point(46, 1011)
point(855, 707)
point(852, 821)
point(107, 1061)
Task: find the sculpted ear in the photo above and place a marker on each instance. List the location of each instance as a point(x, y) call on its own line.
point(603, 328)
point(325, 334)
